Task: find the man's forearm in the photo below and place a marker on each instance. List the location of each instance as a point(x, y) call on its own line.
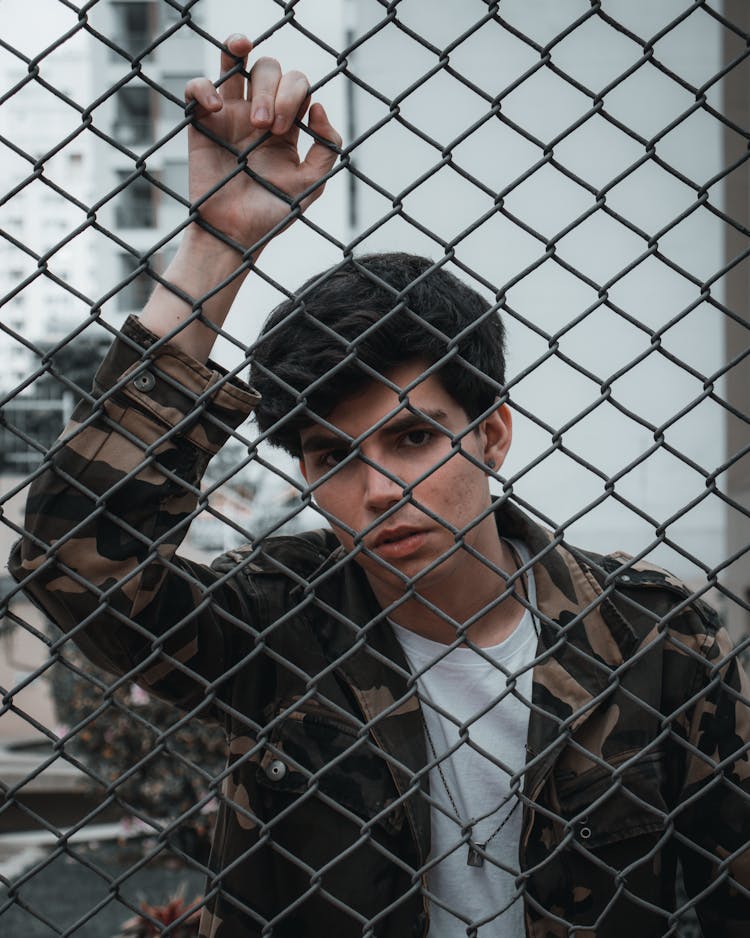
point(202, 263)
point(258, 123)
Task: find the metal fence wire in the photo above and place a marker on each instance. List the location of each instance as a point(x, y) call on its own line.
point(393, 706)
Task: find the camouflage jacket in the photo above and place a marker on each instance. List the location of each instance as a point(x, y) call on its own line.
point(638, 735)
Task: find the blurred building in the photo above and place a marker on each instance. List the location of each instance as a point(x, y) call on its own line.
point(81, 211)
point(41, 266)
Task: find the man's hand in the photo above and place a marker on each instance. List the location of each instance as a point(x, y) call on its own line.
point(257, 129)
point(239, 141)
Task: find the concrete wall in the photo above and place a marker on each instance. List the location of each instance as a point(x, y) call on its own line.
point(736, 480)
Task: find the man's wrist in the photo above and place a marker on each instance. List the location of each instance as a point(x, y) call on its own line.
point(203, 263)
point(199, 242)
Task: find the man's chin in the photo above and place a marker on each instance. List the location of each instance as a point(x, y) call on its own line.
point(401, 576)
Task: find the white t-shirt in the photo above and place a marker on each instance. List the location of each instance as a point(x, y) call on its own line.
point(476, 693)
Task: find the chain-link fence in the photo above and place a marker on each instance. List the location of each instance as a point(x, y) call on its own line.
point(401, 701)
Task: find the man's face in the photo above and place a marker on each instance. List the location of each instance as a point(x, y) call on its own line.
point(421, 442)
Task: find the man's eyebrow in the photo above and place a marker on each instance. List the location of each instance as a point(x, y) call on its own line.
point(319, 442)
point(323, 441)
point(416, 418)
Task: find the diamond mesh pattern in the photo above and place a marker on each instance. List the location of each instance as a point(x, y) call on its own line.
point(597, 170)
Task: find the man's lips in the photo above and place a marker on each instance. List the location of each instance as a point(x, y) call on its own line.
point(398, 541)
point(388, 535)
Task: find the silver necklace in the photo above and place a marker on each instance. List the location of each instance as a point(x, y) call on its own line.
point(475, 853)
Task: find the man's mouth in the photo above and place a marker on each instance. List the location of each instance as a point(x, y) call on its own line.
point(398, 542)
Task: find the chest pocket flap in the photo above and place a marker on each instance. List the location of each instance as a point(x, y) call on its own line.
point(609, 804)
point(314, 750)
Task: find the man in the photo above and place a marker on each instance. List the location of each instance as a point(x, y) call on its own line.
point(441, 717)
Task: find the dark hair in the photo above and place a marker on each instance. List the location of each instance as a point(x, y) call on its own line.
point(373, 313)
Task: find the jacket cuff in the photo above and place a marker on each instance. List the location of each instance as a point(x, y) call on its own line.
point(169, 389)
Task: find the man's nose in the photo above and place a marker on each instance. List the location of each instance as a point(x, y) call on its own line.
point(382, 488)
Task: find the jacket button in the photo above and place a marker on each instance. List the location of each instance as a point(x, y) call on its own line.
point(276, 770)
point(145, 381)
point(585, 833)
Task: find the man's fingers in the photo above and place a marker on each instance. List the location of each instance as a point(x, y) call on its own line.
point(238, 47)
point(292, 101)
point(264, 82)
point(320, 158)
point(203, 92)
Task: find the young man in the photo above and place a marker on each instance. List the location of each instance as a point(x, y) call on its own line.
point(441, 717)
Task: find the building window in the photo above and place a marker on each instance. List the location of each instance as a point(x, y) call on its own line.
point(132, 295)
point(169, 15)
point(135, 205)
point(133, 117)
point(175, 85)
point(133, 26)
point(174, 175)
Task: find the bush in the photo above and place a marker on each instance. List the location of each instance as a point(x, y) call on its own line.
point(128, 727)
point(154, 918)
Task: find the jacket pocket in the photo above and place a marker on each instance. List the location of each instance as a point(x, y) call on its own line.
point(599, 862)
point(314, 753)
point(607, 804)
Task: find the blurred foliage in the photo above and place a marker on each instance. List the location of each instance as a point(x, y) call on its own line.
point(155, 918)
point(115, 731)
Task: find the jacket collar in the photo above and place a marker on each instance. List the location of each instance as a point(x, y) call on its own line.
point(581, 638)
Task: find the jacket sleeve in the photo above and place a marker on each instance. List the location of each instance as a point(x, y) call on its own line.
point(712, 818)
point(109, 508)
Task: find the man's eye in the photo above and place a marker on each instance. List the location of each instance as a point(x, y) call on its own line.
point(333, 457)
point(415, 438)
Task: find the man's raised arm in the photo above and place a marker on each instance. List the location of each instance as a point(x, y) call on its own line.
point(117, 492)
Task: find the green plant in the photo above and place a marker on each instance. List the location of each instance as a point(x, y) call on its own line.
point(159, 766)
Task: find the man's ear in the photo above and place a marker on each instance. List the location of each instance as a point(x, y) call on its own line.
point(302, 468)
point(497, 433)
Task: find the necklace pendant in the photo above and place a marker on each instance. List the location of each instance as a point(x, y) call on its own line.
point(474, 857)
